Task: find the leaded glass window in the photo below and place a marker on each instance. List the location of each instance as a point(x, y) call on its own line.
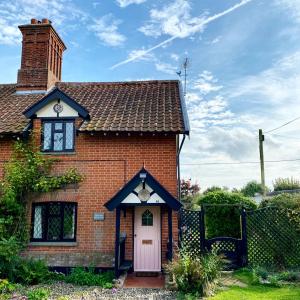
point(54, 221)
point(47, 136)
point(147, 218)
point(58, 136)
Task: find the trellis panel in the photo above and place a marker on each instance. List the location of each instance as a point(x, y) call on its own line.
point(273, 238)
point(190, 233)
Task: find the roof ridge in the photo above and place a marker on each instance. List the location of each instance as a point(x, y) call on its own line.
point(8, 84)
point(115, 82)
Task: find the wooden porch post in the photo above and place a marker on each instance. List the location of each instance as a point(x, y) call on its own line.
point(117, 241)
point(170, 227)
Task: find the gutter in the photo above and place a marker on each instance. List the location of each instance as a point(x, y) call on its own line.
point(178, 165)
point(186, 133)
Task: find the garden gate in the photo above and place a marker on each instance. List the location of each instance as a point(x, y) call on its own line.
point(193, 236)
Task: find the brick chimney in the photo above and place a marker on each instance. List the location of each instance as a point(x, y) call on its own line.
point(41, 62)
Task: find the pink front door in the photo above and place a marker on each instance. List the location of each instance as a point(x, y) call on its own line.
point(147, 241)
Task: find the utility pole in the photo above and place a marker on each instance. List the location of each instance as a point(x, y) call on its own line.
point(262, 162)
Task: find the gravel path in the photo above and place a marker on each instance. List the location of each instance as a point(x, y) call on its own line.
point(64, 291)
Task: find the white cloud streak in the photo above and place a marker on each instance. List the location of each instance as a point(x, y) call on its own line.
point(125, 3)
point(194, 29)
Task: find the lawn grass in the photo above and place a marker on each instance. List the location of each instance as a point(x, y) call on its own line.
point(259, 292)
point(256, 291)
point(244, 275)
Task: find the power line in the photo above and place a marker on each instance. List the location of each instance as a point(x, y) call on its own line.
point(240, 162)
point(287, 123)
point(285, 136)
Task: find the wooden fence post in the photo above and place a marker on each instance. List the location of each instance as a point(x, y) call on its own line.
point(202, 229)
point(244, 239)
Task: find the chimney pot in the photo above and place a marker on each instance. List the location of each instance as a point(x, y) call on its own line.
point(34, 21)
point(45, 21)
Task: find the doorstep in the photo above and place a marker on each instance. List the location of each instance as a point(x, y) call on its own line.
point(155, 282)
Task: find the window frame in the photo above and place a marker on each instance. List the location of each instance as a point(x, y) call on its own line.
point(53, 131)
point(46, 221)
point(149, 214)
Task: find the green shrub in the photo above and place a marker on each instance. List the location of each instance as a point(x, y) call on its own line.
point(9, 257)
point(20, 270)
point(281, 184)
point(262, 273)
point(32, 272)
point(195, 275)
point(289, 276)
point(38, 294)
point(80, 276)
point(285, 200)
point(6, 286)
point(224, 220)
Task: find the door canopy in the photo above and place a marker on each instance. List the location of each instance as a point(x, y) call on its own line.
point(143, 189)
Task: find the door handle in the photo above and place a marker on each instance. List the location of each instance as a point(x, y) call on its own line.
point(135, 235)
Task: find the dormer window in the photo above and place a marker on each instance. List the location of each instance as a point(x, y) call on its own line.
point(58, 135)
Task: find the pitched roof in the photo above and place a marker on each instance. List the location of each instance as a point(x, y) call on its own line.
point(154, 184)
point(138, 106)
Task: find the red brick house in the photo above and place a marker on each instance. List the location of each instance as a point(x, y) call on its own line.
point(123, 137)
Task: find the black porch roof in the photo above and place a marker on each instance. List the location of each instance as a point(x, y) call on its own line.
point(153, 183)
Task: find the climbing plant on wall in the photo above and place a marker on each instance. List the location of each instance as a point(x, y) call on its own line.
point(26, 172)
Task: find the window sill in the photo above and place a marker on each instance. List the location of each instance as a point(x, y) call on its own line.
point(54, 244)
point(58, 153)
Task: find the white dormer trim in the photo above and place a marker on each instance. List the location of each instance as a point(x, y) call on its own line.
point(133, 198)
point(47, 111)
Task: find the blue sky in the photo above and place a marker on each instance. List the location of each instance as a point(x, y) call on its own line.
point(244, 71)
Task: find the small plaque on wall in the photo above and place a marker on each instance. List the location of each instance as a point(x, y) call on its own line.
point(98, 216)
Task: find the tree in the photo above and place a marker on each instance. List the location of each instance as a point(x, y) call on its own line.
point(189, 192)
point(189, 189)
point(251, 188)
point(213, 188)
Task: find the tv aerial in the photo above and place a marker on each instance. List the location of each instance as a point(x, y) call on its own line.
point(183, 72)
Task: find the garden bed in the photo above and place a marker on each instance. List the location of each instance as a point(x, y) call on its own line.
point(65, 291)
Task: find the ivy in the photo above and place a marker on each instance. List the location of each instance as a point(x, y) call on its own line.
point(28, 171)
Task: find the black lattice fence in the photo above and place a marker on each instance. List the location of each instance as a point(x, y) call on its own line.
point(273, 237)
point(190, 231)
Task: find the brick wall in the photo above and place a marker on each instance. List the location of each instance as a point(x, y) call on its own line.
point(106, 164)
point(42, 51)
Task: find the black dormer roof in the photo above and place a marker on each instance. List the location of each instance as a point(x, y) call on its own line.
point(150, 180)
point(54, 95)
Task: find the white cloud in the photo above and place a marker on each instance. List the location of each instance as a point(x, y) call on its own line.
point(206, 83)
point(223, 134)
point(292, 7)
point(165, 68)
point(276, 86)
point(16, 12)
point(106, 29)
point(173, 19)
point(174, 56)
point(215, 40)
point(124, 3)
point(184, 30)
